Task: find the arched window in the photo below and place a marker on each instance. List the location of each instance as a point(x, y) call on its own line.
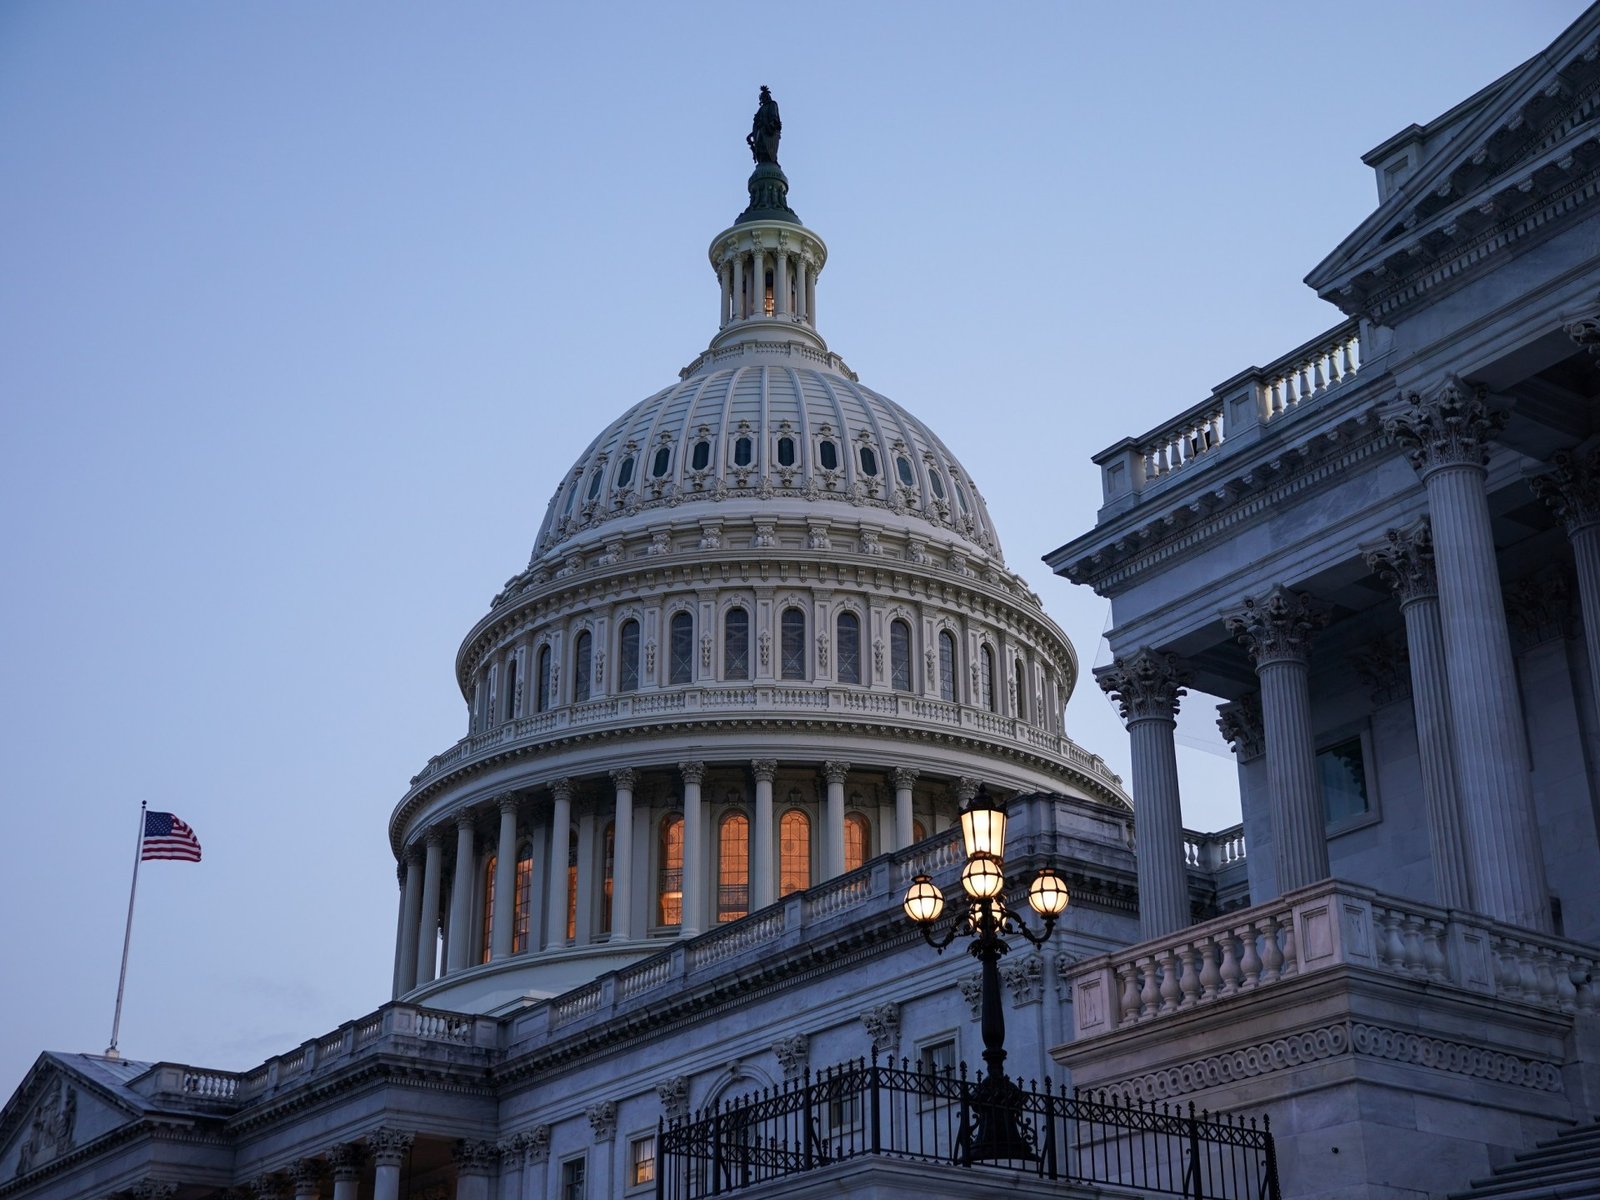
point(628, 657)
point(608, 860)
point(511, 688)
point(523, 898)
point(794, 852)
point(1019, 688)
point(736, 644)
point(857, 840)
point(572, 885)
point(947, 665)
point(544, 697)
point(582, 666)
point(986, 678)
point(848, 628)
point(733, 868)
point(488, 909)
point(669, 880)
point(919, 831)
point(900, 656)
point(792, 644)
point(681, 668)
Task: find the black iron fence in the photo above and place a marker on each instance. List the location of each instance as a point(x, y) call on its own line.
point(910, 1112)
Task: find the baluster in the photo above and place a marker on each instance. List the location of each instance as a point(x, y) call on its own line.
point(1188, 978)
point(1210, 978)
point(1394, 946)
point(1566, 994)
point(1229, 970)
point(1271, 955)
point(1544, 975)
point(1250, 964)
point(1214, 430)
point(1274, 398)
point(1168, 961)
point(1412, 940)
point(1149, 994)
point(1527, 973)
point(1291, 950)
point(1433, 959)
point(1508, 975)
point(1349, 367)
point(1333, 365)
point(1130, 993)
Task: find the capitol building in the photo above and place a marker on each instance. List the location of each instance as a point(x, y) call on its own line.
point(767, 653)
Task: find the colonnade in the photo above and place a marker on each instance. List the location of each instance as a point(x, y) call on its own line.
point(1474, 765)
point(747, 293)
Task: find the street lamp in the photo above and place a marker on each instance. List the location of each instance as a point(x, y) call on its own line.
point(981, 914)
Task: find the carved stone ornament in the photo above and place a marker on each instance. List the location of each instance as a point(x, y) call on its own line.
point(513, 1150)
point(1539, 607)
point(473, 1157)
point(1572, 488)
point(877, 658)
point(822, 650)
point(625, 778)
point(602, 1120)
point(711, 535)
point(307, 1176)
point(1066, 968)
point(966, 787)
point(612, 555)
point(158, 1189)
point(265, 1187)
point(1404, 561)
point(765, 539)
point(1278, 626)
point(882, 1022)
point(674, 1093)
point(1024, 979)
point(869, 542)
point(903, 777)
point(1241, 724)
point(765, 769)
point(660, 543)
point(1585, 332)
point(1384, 667)
point(764, 647)
point(705, 651)
point(346, 1160)
point(834, 771)
point(1146, 685)
point(650, 658)
point(50, 1128)
point(539, 1143)
point(1452, 427)
point(972, 992)
point(692, 772)
point(793, 1054)
point(389, 1146)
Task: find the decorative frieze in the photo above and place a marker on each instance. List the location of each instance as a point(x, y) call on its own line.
point(474, 1157)
point(538, 1143)
point(1404, 561)
point(602, 1120)
point(1451, 427)
point(1277, 627)
point(674, 1093)
point(161, 1189)
point(50, 1129)
point(1146, 685)
point(882, 1022)
point(793, 1054)
point(1241, 724)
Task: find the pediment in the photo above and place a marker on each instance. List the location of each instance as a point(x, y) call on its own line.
point(1489, 173)
point(58, 1108)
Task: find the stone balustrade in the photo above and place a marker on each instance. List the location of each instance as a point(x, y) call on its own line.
point(1331, 924)
point(1214, 851)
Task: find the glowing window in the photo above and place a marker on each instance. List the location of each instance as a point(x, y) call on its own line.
point(523, 897)
point(628, 657)
point(669, 880)
point(869, 461)
point(572, 886)
point(736, 644)
point(947, 665)
point(662, 463)
point(849, 649)
point(642, 1160)
point(700, 459)
point(625, 472)
point(681, 668)
point(902, 467)
point(582, 666)
point(828, 456)
point(786, 452)
point(609, 858)
point(792, 644)
point(544, 678)
point(733, 868)
point(919, 832)
point(857, 837)
point(743, 452)
point(488, 909)
point(900, 656)
point(794, 852)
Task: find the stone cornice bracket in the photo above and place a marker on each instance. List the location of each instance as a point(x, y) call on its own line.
point(1278, 626)
point(764, 769)
point(389, 1146)
point(1404, 561)
point(1241, 724)
point(793, 1054)
point(602, 1119)
point(904, 777)
point(625, 778)
point(882, 1022)
point(538, 1143)
point(474, 1157)
point(1572, 487)
point(1452, 427)
point(1146, 685)
point(834, 771)
point(345, 1159)
point(674, 1093)
point(692, 772)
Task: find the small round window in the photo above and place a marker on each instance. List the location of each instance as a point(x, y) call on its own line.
point(701, 458)
point(742, 452)
point(594, 484)
point(786, 452)
point(902, 466)
point(937, 484)
point(625, 472)
point(662, 463)
point(828, 455)
point(869, 461)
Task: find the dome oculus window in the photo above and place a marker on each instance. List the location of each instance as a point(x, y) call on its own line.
point(786, 452)
point(869, 461)
point(662, 463)
point(828, 456)
point(701, 458)
point(902, 466)
point(743, 452)
point(625, 472)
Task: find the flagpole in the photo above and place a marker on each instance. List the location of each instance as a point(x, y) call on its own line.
point(127, 934)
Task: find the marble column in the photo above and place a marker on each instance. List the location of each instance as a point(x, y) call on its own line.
point(555, 908)
point(461, 939)
point(811, 295)
point(405, 958)
point(1404, 560)
point(428, 918)
point(513, 1153)
point(726, 275)
point(762, 878)
point(694, 849)
point(503, 920)
point(801, 286)
point(833, 818)
point(1276, 630)
point(1147, 686)
point(905, 780)
point(780, 284)
point(738, 287)
point(758, 286)
point(389, 1149)
point(345, 1159)
point(474, 1161)
point(1447, 437)
point(307, 1174)
point(1572, 490)
point(625, 781)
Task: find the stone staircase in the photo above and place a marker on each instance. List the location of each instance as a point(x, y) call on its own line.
point(1564, 1167)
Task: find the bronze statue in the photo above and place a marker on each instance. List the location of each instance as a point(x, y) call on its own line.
point(765, 130)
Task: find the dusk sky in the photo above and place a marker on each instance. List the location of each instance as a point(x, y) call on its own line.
point(305, 309)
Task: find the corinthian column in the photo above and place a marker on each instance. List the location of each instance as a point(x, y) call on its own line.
point(694, 849)
point(761, 873)
point(833, 817)
point(1276, 630)
point(1447, 437)
point(389, 1149)
point(1148, 686)
point(461, 895)
point(622, 855)
point(428, 918)
point(555, 908)
point(503, 919)
point(905, 780)
point(405, 962)
point(346, 1162)
point(1572, 490)
point(1404, 560)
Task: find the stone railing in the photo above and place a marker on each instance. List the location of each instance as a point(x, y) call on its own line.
point(1256, 397)
point(895, 708)
point(1331, 924)
point(1214, 851)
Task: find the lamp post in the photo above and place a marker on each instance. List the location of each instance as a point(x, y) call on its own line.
point(981, 914)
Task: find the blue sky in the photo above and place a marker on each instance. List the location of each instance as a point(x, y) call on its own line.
point(305, 308)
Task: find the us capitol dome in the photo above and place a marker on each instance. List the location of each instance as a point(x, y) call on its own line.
point(766, 633)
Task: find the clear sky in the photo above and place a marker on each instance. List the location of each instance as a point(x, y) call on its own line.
point(305, 308)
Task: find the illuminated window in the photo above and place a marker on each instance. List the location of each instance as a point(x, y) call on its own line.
point(900, 656)
point(700, 456)
point(792, 644)
point(938, 1058)
point(642, 1160)
point(488, 909)
point(794, 852)
point(986, 678)
point(947, 665)
point(609, 858)
point(767, 303)
point(582, 666)
point(849, 649)
point(919, 832)
point(681, 669)
point(670, 880)
point(736, 644)
point(523, 897)
point(628, 657)
point(786, 452)
point(572, 886)
point(511, 688)
point(828, 456)
point(544, 678)
point(733, 868)
point(857, 837)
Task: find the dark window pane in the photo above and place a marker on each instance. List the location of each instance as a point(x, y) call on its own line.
point(628, 653)
point(786, 452)
point(663, 461)
point(900, 656)
point(742, 452)
point(947, 666)
point(736, 644)
point(828, 455)
point(849, 649)
point(682, 666)
point(702, 456)
point(544, 678)
point(902, 465)
point(869, 461)
point(625, 472)
point(1343, 773)
point(937, 484)
point(792, 650)
point(582, 665)
point(594, 484)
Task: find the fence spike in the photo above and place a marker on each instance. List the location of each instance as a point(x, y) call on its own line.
point(1266, 1121)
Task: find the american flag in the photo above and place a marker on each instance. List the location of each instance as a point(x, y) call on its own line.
point(167, 837)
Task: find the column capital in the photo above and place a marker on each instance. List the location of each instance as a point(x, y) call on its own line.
point(602, 1119)
point(507, 803)
point(389, 1146)
point(904, 777)
point(539, 1143)
point(345, 1158)
point(474, 1157)
point(1240, 723)
point(1277, 627)
point(307, 1175)
point(1146, 685)
point(1451, 427)
point(562, 788)
point(835, 771)
point(513, 1150)
point(625, 779)
point(764, 769)
point(1585, 331)
point(1572, 488)
point(466, 822)
point(1404, 561)
point(434, 835)
point(965, 788)
point(692, 772)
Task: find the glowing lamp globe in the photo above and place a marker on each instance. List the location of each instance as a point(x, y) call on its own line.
point(1047, 894)
point(983, 877)
point(983, 826)
point(924, 901)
